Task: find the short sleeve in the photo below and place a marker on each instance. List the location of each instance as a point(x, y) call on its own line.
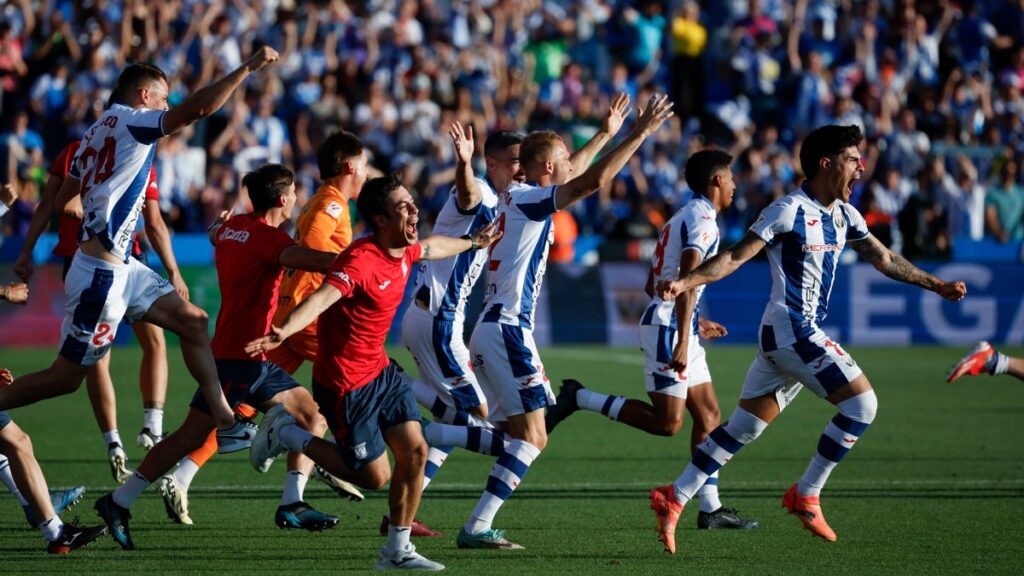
point(413, 253)
point(152, 192)
point(536, 203)
point(146, 126)
point(857, 226)
point(322, 223)
point(62, 163)
point(701, 237)
point(343, 274)
point(774, 220)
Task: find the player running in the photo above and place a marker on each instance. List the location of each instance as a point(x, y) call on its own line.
point(984, 359)
point(325, 225)
point(804, 232)
point(153, 371)
point(104, 284)
point(504, 355)
point(676, 371)
point(360, 391)
point(251, 253)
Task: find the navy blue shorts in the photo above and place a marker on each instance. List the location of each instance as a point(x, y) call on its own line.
point(358, 417)
point(250, 381)
point(5, 419)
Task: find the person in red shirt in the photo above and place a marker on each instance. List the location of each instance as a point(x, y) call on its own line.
point(153, 370)
point(364, 395)
point(251, 253)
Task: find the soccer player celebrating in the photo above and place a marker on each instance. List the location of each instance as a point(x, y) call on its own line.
point(507, 364)
point(360, 391)
point(104, 284)
point(251, 254)
point(676, 371)
point(432, 326)
point(805, 232)
point(325, 225)
point(153, 370)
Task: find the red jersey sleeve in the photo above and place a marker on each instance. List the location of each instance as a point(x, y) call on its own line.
point(62, 163)
point(152, 192)
point(344, 273)
point(413, 253)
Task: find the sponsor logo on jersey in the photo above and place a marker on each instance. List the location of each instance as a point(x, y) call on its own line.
point(823, 247)
point(341, 276)
point(334, 209)
point(236, 235)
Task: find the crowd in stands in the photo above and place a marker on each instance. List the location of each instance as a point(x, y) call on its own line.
point(936, 85)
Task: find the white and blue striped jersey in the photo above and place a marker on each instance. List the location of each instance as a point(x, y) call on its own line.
point(804, 241)
point(519, 258)
point(692, 227)
point(444, 285)
point(112, 164)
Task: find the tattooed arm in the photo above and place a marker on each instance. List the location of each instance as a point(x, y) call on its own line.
point(715, 269)
point(898, 268)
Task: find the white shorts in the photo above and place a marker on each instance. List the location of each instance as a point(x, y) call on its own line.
point(816, 362)
point(657, 343)
point(97, 295)
point(511, 374)
point(442, 357)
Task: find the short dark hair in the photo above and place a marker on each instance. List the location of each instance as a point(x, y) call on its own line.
point(373, 198)
point(501, 140)
point(335, 151)
point(702, 166)
point(824, 141)
point(133, 77)
point(266, 184)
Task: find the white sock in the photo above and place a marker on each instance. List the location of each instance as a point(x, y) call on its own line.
point(112, 437)
point(295, 438)
point(8, 480)
point(435, 459)
point(503, 479)
point(135, 485)
point(153, 418)
point(294, 486)
point(708, 494)
point(185, 472)
point(398, 539)
point(600, 403)
point(52, 528)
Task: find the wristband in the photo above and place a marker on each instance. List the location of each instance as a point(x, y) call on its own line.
point(472, 242)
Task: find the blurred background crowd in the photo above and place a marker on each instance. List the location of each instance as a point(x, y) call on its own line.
point(936, 85)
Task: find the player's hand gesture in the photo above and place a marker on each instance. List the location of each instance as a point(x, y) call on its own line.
point(462, 141)
point(658, 109)
point(8, 194)
point(668, 290)
point(261, 58)
point(617, 114)
point(952, 291)
point(5, 377)
point(16, 293)
point(709, 330)
point(266, 343)
point(180, 287)
point(487, 236)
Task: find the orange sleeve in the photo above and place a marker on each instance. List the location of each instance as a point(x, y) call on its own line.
point(322, 220)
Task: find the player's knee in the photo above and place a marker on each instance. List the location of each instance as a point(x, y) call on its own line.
point(668, 425)
point(376, 478)
point(20, 442)
point(195, 322)
point(863, 407)
point(538, 438)
point(707, 420)
point(418, 454)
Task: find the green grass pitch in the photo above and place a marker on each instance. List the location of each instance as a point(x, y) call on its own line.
point(936, 486)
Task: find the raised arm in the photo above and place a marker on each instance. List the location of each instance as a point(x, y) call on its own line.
point(718, 267)
point(440, 247)
point(898, 268)
point(467, 193)
point(302, 258)
point(649, 120)
point(208, 100)
point(302, 316)
point(617, 113)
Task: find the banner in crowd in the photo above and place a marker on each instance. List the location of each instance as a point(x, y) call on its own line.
point(603, 304)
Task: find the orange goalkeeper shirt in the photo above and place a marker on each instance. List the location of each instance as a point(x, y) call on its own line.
point(325, 225)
